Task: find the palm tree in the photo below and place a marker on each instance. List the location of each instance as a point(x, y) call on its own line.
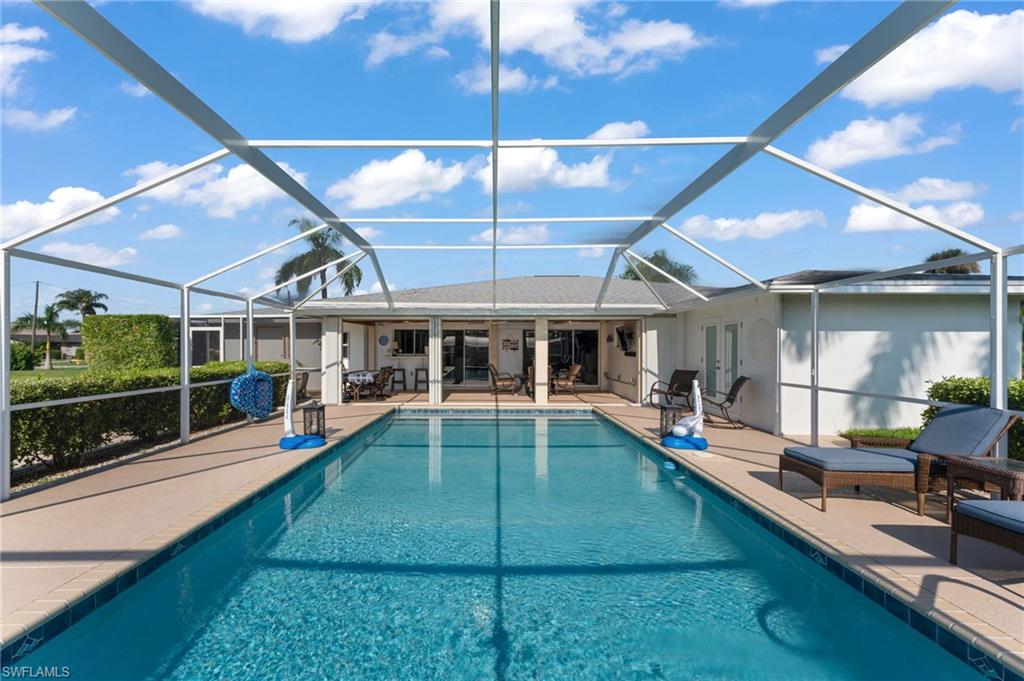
point(51, 323)
point(966, 268)
point(81, 300)
point(323, 248)
point(660, 258)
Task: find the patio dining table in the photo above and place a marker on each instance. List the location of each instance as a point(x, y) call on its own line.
point(358, 378)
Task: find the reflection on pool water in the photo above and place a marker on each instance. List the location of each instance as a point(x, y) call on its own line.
point(493, 548)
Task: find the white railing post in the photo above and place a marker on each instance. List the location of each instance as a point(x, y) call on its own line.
point(5, 375)
point(434, 363)
point(997, 339)
point(184, 366)
point(291, 356)
point(815, 295)
point(250, 338)
point(540, 361)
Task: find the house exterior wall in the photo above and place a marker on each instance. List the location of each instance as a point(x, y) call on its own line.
point(884, 343)
point(758, 320)
point(621, 372)
point(657, 351)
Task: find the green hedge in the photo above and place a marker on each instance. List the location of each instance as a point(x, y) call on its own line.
point(961, 390)
point(22, 357)
point(61, 436)
point(114, 342)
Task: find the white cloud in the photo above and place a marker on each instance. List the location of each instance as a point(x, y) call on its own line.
point(437, 52)
point(1017, 216)
point(23, 119)
point(16, 33)
point(962, 49)
point(1017, 125)
point(21, 216)
point(557, 33)
point(286, 20)
point(386, 182)
point(590, 252)
point(161, 232)
point(91, 253)
point(221, 195)
point(368, 233)
point(527, 169)
point(827, 55)
point(871, 217)
point(936, 189)
point(762, 226)
point(15, 54)
point(376, 288)
point(477, 80)
point(870, 139)
point(524, 234)
point(133, 89)
point(620, 130)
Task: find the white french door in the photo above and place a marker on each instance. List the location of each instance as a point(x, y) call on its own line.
point(721, 360)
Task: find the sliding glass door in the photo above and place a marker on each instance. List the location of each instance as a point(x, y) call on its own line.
point(565, 348)
point(465, 356)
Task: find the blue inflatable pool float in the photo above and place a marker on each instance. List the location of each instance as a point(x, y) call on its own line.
point(302, 442)
point(252, 393)
point(688, 442)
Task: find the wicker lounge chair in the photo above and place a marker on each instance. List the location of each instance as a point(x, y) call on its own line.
point(501, 383)
point(999, 522)
point(959, 430)
point(730, 399)
point(678, 387)
point(567, 383)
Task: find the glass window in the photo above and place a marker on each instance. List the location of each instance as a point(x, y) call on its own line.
point(411, 341)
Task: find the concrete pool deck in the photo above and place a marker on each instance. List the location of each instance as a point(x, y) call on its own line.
point(64, 542)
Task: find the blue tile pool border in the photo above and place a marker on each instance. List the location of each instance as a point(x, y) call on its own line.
point(963, 650)
point(30, 641)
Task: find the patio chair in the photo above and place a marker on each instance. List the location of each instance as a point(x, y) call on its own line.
point(998, 522)
point(567, 382)
point(957, 430)
point(730, 399)
point(501, 382)
point(678, 387)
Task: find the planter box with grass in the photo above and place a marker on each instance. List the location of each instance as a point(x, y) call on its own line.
point(898, 438)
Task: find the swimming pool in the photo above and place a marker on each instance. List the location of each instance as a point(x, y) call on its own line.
point(507, 548)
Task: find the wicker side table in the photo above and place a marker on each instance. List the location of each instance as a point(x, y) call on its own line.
point(1007, 474)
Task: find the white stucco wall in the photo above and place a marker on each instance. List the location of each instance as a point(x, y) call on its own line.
point(758, 319)
point(657, 351)
point(623, 370)
point(891, 344)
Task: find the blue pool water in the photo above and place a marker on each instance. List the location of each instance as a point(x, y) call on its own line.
point(519, 548)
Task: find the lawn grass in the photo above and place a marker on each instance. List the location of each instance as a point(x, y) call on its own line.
point(908, 432)
point(44, 373)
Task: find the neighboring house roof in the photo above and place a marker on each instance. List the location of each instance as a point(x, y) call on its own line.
point(546, 291)
point(26, 336)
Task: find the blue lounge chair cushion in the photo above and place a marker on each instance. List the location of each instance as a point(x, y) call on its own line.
point(1005, 514)
point(962, 430)
point(868, 459)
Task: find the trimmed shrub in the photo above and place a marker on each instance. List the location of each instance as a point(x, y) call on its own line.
point(130, 341)
point(80, 353)
point(62, 436)
point(974, 390)
point(22, 357)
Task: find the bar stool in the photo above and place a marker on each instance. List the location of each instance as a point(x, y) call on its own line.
point(398, 378)
point(421, 375)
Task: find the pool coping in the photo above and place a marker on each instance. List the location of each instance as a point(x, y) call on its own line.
point(46, 617)
point(977, 646)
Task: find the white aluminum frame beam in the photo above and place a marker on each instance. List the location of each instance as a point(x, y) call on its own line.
point(487, 221)
point(330, 281)
point(484, 247)
point(495, 132)
point(622, 142)
point(903, 22)
point(909, 269)
point(714, 256)
point(94, 29)
point(258, 254)
point(881, 199)
point(316, 270)
point(140, 188)
point(486, 144)
point(631, 255)
point(650, 287)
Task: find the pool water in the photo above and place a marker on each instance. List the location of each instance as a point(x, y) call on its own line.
point(484, 548)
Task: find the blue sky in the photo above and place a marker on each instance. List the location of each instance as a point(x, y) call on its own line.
point(939, 124)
